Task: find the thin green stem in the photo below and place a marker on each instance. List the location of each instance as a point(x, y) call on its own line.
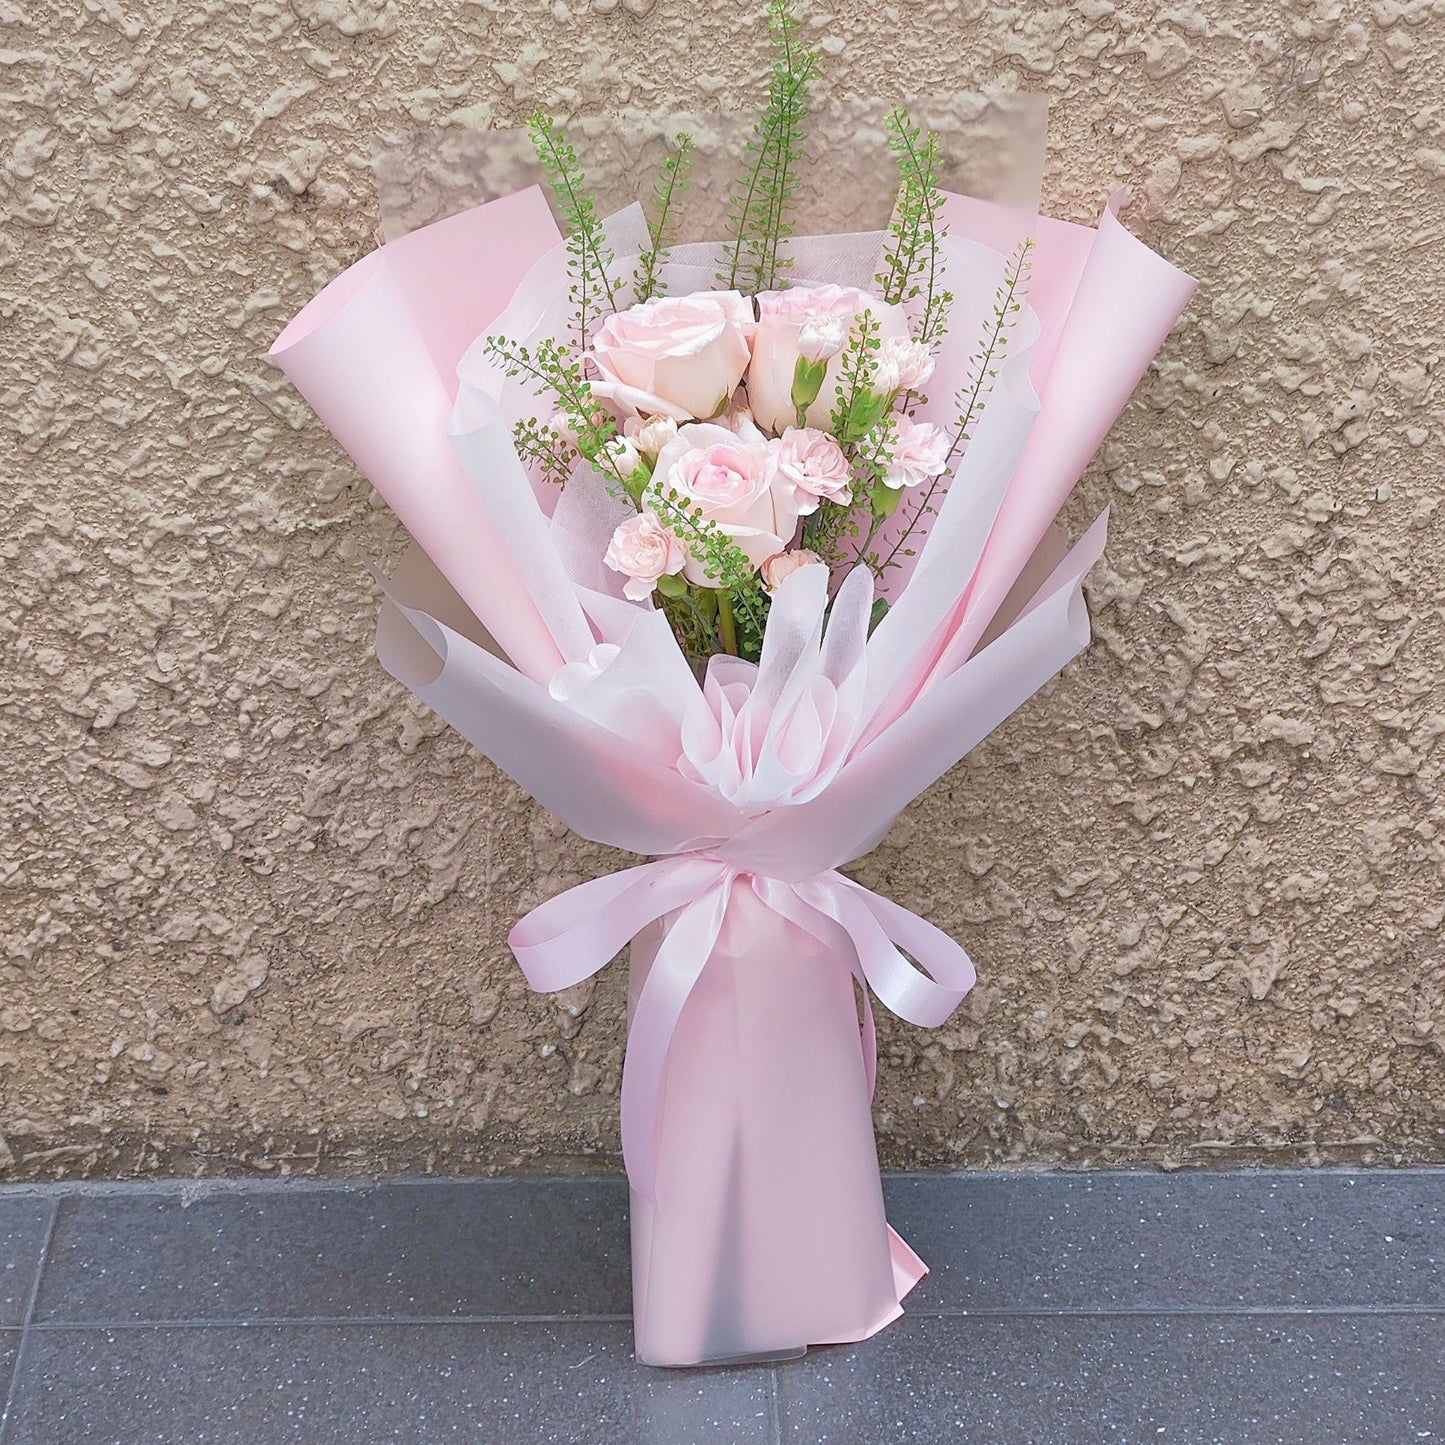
point(672, 181)
point(995, 340)
point(1007, 305)
point(727, 627)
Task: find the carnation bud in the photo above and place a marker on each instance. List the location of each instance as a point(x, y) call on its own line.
point(903, 364)
point(887, 376)
point(651, 433)
point(781, 565)
point(623, 454)
point(822, 337)
point(807, 383)
point(565, 426)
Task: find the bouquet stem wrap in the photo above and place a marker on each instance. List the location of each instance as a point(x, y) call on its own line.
point(758, 1224)
point(765, 1225)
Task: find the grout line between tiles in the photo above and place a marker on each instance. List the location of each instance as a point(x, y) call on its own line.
point(271, 1322)
point(186, 1185)
point(12, 1393)
point(221, 1184)
point(1128, 1311)
point(1021, 1312)
point(774, 1406)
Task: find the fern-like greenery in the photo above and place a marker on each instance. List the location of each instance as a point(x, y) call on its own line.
point(911, 263)
point(829, 530)
point(662, 228)
point(739, 596)
point(761, 207)
point(589, 258)
point(551, 366)
point(691, 612)
point(547, 449)
point(984, 367)
point(870, 465)
point(858, 407)
point(985, 362)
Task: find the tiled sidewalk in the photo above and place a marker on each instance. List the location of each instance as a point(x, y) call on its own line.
point(1245, 1308)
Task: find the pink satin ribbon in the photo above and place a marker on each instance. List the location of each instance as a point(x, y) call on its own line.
point(572, 936)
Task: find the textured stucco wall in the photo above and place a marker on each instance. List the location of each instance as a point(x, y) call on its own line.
point(253, 900)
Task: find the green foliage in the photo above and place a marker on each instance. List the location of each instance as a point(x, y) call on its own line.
point(742, 601)
point(870, 464)
point(993, 349)
point(984, 366)
point(662, 229)
point(762, 204)
point(751, 622)
point(871, 458)
point(858, 408)
point(829, 530)
point(589, 258)
point(546, 449)
point(692, 615)
point(550, 366)
point(911, 264)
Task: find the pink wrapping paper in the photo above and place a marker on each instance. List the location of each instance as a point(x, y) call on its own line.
point(758, 1223)
point(376, 356)
point(767, 1173)
point(1088, 362)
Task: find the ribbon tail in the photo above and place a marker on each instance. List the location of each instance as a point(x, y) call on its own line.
point(679, 964)
point(924, 993)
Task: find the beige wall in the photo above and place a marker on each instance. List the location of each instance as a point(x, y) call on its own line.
point(253, 900)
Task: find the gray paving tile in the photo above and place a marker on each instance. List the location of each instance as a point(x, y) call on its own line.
point(366, 1384)
point(9, 1348)
point(487, 1247)
point(1159, 1241)
point(23, 1222)
point(1125, 1380)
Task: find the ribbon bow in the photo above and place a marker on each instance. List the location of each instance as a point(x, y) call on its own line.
point(572, 936)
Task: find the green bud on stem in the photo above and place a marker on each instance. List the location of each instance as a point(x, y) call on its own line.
point(807, 383)
point(884, 500)
point(866, 412)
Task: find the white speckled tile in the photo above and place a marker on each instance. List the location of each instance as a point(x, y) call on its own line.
point(9, 1348)
point(402, 1250)
point(1238, 1307)
point(1202, 1239)
point(1126, 1380)
point(24, 1220)
point(520, 1384)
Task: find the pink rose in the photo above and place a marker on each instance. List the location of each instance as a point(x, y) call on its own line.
point(733, 480)
point(675, 356)
point(643, 550)
point(814, 464)
point(778, 342)
point(919, 451)
point(777, 568)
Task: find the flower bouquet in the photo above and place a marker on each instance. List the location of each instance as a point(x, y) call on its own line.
point(726, 550)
